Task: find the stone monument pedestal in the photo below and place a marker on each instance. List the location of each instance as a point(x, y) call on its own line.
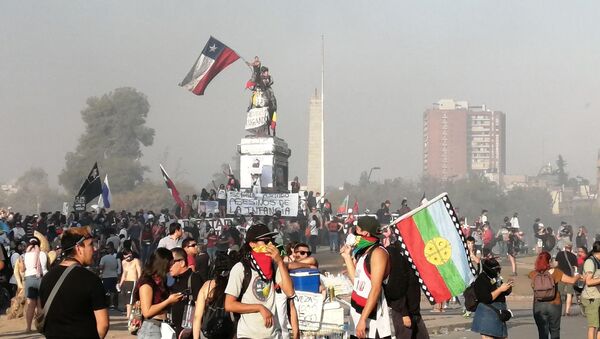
point(264, 164)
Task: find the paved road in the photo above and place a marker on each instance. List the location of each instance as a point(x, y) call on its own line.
point(524, 327)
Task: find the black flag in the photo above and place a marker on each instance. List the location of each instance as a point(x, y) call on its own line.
point(92, 186)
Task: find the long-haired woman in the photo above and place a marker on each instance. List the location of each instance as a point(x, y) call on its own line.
point(151, 290)
point(212, 293)
point(35, 265)
point(547, 314)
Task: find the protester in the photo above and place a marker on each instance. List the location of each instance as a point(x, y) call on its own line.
point(202, 262)
point(513, 244)
point(35, 267)
point(190, 246)
point(368, 268)
point(188, 283)
point(314, 225)
point(174, 239)
point(79, 308)
point(334, 226)
point(403, 294)
point(547, 305)
point(302, 258)
point(581, 238)
point(590, 296)
point(567, 263)
point(132, 270)
point(110, 269)
point(262, 259)
point(491, 294)
point(151, 291)
point(212, 295)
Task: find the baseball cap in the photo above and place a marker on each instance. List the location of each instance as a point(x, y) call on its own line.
point(369, 224)
point(259, 232)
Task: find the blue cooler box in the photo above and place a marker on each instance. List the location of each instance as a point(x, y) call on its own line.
point(306, 280)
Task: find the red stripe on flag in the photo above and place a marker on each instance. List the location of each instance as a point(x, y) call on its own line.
point(225, 59)
point(428, 272)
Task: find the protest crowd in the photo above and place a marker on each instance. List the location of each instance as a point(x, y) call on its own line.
point(200, 272)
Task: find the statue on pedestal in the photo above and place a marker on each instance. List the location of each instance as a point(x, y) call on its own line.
point(262, 112)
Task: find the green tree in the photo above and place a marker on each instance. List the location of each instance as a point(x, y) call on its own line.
point(115, 129)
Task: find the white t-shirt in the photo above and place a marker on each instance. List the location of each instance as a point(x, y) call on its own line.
point(110, 266)
point(251, 325)
point(222, 194)
point(29, 260)
point(313, 227)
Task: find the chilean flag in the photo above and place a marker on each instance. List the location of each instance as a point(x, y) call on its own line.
point(214, 58)
point(171, 187)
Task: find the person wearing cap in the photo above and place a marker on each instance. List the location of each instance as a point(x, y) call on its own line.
point(251, 286)
point(79, 308)
point(491, 294)
point(35, 266)
point(368, 268)
point(567, 261)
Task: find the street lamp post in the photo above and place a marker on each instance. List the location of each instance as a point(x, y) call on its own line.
point(371, 172)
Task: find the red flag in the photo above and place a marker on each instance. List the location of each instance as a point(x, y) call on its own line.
point(215, 57)
point(355, 207)
point(171, 187)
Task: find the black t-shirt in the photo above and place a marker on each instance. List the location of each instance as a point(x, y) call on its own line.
point(181, 284)
point(202, 265)
point(566, 261)
point(71, 314)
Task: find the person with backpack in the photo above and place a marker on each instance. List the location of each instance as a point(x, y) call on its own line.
point(547, 304)
point(210, 318)
point(250, 289)
point(490, 292)
point(403, 294)
point(590, 296)
point(368, 268)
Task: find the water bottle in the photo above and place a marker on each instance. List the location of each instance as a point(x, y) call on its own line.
point(188, 315)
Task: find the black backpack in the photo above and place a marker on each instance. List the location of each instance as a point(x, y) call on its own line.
point(216, 322)
point(471, 301)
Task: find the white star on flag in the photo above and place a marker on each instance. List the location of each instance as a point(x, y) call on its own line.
point(213, 48)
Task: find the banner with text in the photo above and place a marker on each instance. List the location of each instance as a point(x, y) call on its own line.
point(262, 203)
point(256, 118)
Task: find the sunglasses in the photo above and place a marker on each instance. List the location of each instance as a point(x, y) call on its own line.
point(303, 252)
point(175, 261)
point(192, 245)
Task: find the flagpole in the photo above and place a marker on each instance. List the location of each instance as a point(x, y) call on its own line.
point(322, 114)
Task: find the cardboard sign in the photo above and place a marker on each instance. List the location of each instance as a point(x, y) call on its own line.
point(262, 203)
point(310, 310)
point(256, 118)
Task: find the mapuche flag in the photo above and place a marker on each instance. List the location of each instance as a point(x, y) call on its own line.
point(214, 58)
point(171, 187)
point(430, 237)
point(91, 187)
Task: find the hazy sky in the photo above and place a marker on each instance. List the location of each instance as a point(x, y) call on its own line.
point(386, 62)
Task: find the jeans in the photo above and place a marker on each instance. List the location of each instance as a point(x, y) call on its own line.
point(334, 241)
point(314, 239)
point(547, 318)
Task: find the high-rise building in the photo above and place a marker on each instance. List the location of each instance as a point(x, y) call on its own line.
point(459, 139)
point(315, 144)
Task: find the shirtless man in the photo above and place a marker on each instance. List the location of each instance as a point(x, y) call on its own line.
point(132, 269)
